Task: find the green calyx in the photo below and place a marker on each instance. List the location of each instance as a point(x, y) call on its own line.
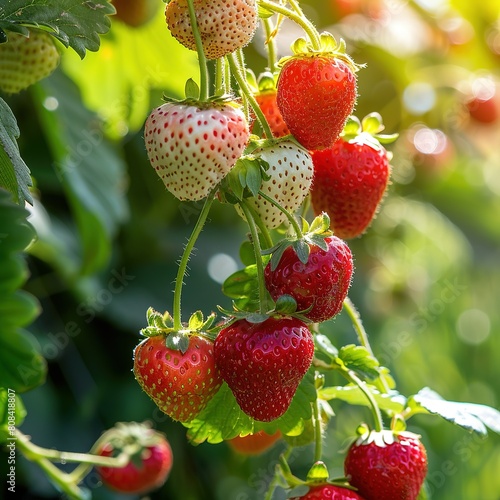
point(317, 476)
point(193, 98)
point(313, 234)
point(284, 307)
point(381, 438)
point(367, 131)
point(131, 438)
point(178, 339)
point(250, 171)
point(329, 48)
point(265, 82)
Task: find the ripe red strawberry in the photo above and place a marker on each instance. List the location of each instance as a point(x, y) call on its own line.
point(263, 363)
point(387, 466)
point(316, 95)
point(322, 282)
point(254, 444)
point(150, 461)
point(26, 60)
point(290, 176)
point(193, 147)
point(350, 180)
point(181, 384)
point(329, 492)
point(267, 103)
point(224, 26)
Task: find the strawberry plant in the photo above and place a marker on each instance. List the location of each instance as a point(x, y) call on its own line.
point(234, 286)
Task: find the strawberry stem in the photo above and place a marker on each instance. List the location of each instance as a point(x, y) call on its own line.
point(262, 228)
point(285, 472)
point(318, 438)
point(68, 483)
point(258, 256)
point(272, 58)
point(219, 77)
point(245, 89)
point(355, 317)
point(297, 17)
point(289, 216)
point(202, 60)
point(377, 415)
point(179, 281)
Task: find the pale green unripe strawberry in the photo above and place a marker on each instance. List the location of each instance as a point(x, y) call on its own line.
point(26, 60)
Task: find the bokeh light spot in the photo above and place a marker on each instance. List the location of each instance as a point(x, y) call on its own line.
point(419, 97)
point(473, 326)
point(220, 266)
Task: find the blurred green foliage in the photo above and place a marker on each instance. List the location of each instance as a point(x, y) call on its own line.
point(427, 277)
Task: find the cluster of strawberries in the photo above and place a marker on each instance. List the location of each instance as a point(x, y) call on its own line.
point(265, 152)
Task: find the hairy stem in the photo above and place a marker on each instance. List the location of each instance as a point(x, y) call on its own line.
point(318, 438)
point(68, 483)
point(258, 256)
point(245, 89)
point(289, 216)
point(272, 57)
point(298, 18)
point(202, 60)
point(179, 281)
point(377, 415)
point(220, 76)
point(357, 324)
point(262, 228)
point(275, 481)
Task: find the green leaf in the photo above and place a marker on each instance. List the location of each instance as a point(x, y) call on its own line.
point(89, 169)
point(357, 358)
point(320, 224)
point(473, 417)
point(236, 181)
point(243, 285)
point(192, 90)
point(75, 23)
point(352, 394)
point(277, 252)
point(302, 249)
point(253, 177)
point(223, 419)
point(286, 304)
point(352, 127)
point(318, 473)
point(177, 341)
point(14, 173)
point(21, 365)
point(18, 309)
point(372, 123)
point(12, 413)
point(319, 241)
point(247, 253)
point(196, 321)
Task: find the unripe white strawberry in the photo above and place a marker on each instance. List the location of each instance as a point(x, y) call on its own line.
point(193, 147)
point(291, 174)
point(26, 60)
point(224, 26)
